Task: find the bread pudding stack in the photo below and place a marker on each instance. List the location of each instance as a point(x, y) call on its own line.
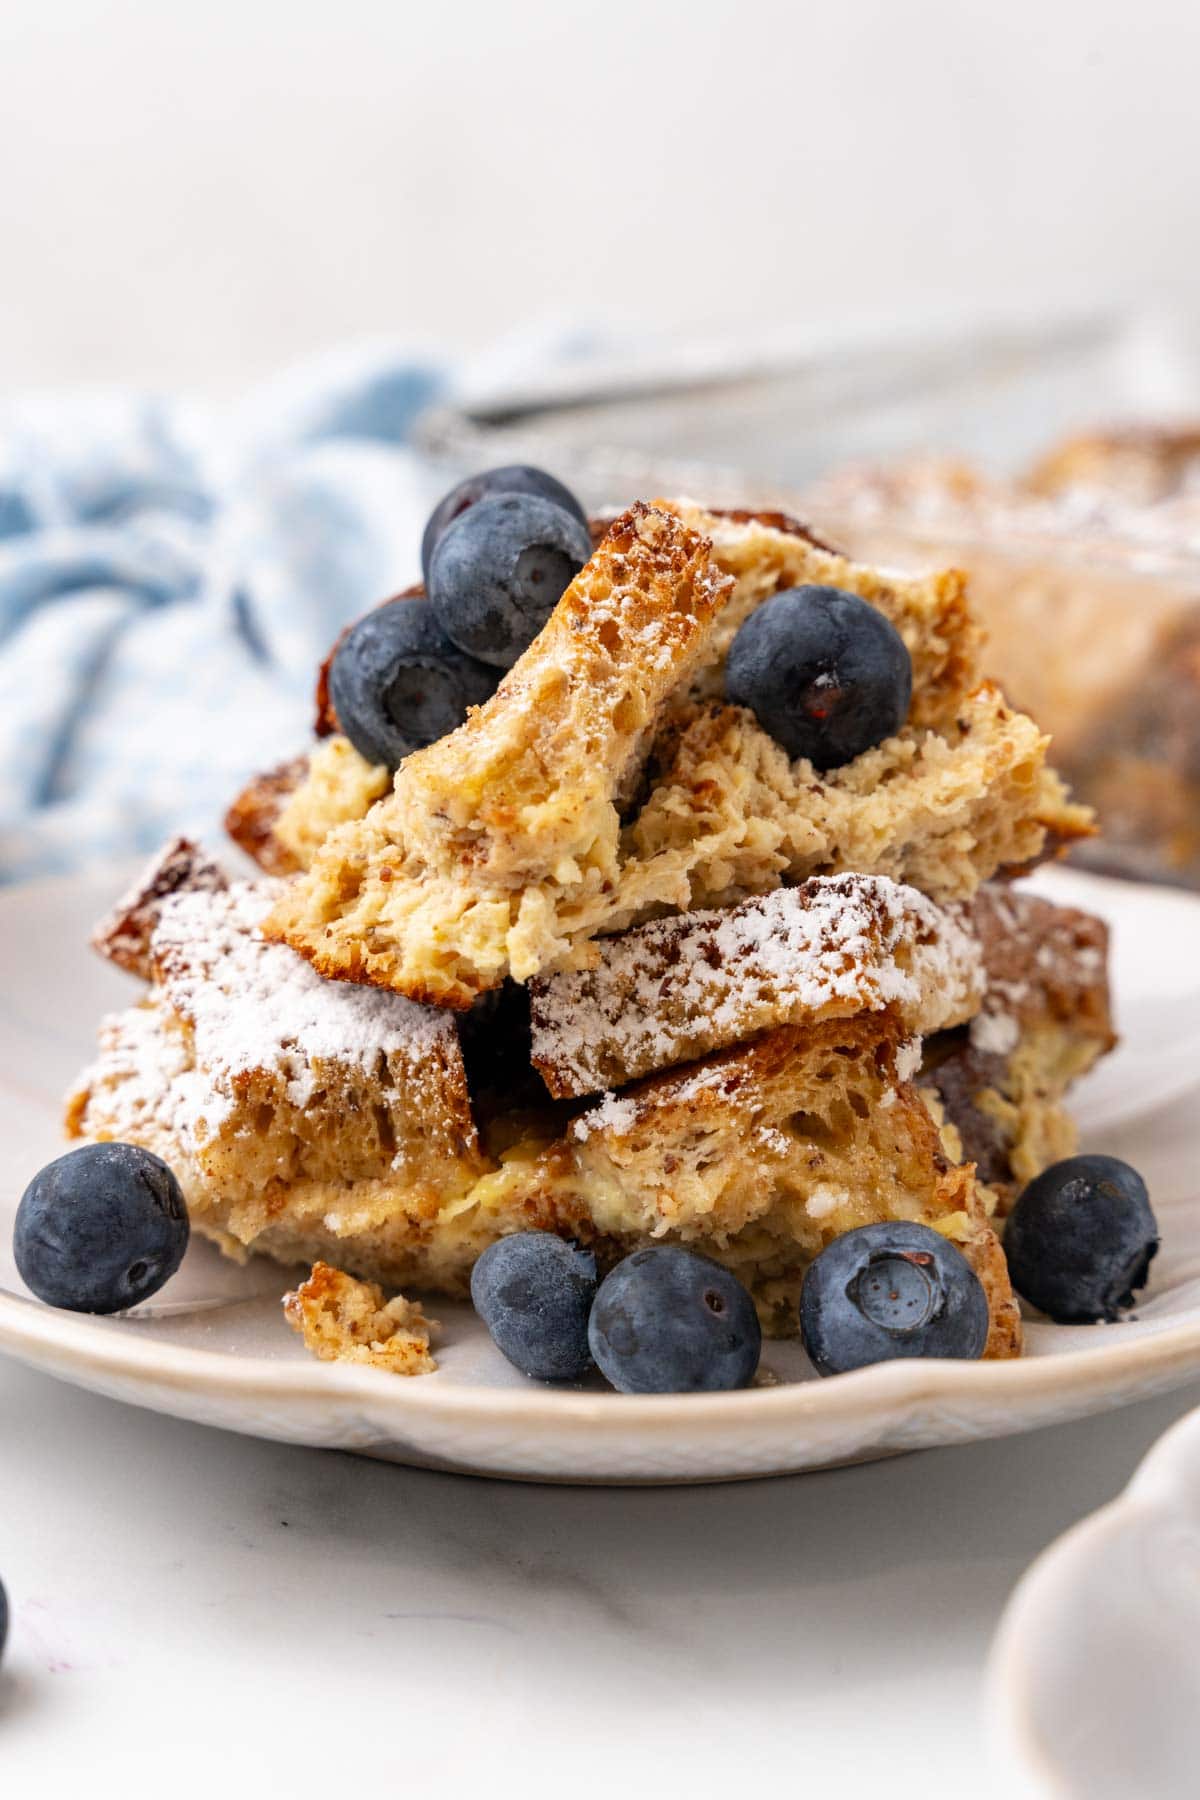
point(320, 1121)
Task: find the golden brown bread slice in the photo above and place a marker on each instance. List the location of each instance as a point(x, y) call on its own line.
point(282, 818)
point(499, 845)
point(253, 817)
point(500, 850)
point(1046, 1020)
point(760, 1156)
point(275, 1094)
point(676, 989)
point(942, 811)
point(757, 1156)
point(317, 1121)
point(337, 784)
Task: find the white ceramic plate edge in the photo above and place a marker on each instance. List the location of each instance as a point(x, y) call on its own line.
point(595, 1436)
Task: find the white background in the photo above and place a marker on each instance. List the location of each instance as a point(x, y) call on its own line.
point(195, 192)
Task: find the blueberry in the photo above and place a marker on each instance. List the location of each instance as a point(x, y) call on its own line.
point(100, 1228)
point(500, 570)
point(534, 1292)
point(397, 682)
point(667, 1321)
point(891, 1290)
point(823, 673)
point(1080, 1239)
point(517, 478)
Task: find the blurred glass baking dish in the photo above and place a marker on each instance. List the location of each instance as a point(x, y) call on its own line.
point(735, 422)
point(926, 447)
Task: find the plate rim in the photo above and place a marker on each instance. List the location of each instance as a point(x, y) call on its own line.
point(28, 1326)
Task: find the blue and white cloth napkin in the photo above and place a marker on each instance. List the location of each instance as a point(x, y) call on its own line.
point(170, 576)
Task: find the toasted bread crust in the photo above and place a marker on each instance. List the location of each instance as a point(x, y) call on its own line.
point(676, 989)
point(253, 817)
point(124, 936)
point(455, 878)
point(264, 1088)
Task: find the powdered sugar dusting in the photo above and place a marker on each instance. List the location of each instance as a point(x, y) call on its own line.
point(227, 1004)
point(995, 1033)
point(611, 1113)
point(675, 989)
point(908, 1059)
point(145, 1083)
point(254, 1005)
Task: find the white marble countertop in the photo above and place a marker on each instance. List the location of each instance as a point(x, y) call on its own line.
point(214, 1614)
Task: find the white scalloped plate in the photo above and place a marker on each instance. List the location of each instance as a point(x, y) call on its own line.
point(212, 1345)
point(1093, 1687)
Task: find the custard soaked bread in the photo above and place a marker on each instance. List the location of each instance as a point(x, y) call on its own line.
point(282, 817)
point(124, 935)
point(672, 991)
point(344, 1320)
point(942, 811)
point(759, 1156)
point(293, 1111)
point(312, 1120)
point(500, 844)
point(501, 849)
point(707, 858)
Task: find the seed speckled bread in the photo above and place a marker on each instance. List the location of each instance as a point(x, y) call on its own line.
point(457, 879)
point(337, 784)
point(344, 1320)
point(499, 845)
point(942, 811)
point(292, 1110)
point(314, 1121)
point(1045, 1021)
point(282, 818)
point(676, 989)
point(761, 553)
point(761, 1155)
